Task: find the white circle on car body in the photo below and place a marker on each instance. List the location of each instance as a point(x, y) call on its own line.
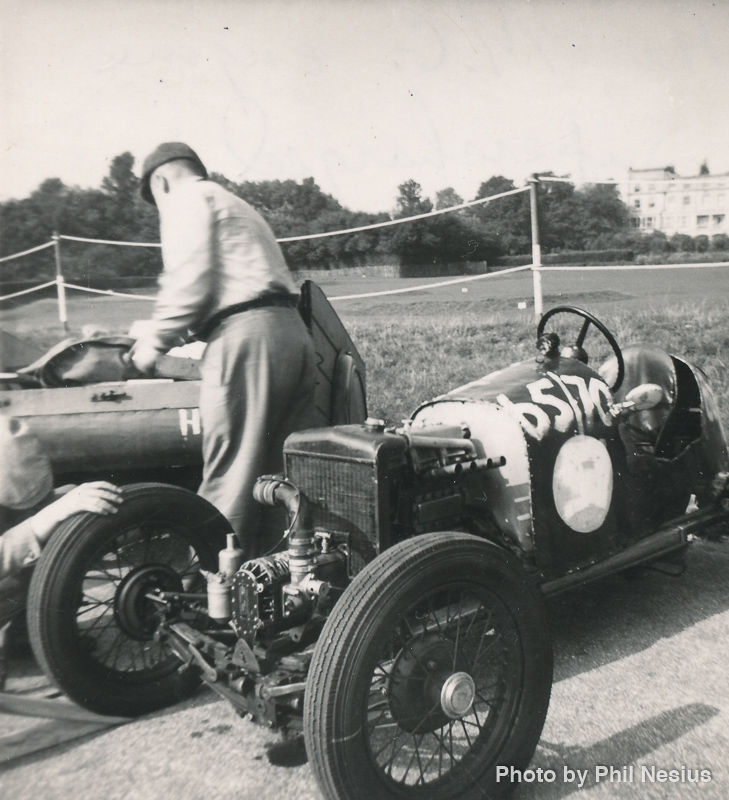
point(582, 483)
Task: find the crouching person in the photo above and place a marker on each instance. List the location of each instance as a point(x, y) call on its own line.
point(30, 510)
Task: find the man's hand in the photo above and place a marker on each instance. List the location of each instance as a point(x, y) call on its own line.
point(144, 357)
point(99, 497)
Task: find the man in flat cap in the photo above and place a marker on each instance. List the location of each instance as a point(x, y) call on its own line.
point(30, 511)
point(225, 281)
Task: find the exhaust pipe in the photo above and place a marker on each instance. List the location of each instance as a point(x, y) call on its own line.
point(672, 536)
point(276, 490)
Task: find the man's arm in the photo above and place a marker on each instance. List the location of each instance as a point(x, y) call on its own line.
point(21, 545)
point(187, 282)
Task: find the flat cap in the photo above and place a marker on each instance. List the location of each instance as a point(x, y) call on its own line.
point(169, 151)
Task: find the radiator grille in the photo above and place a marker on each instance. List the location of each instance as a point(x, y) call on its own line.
point(344, 497)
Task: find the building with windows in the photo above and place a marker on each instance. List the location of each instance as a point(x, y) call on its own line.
point(661, 200)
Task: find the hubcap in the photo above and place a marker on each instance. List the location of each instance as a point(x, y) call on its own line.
point(457, 695)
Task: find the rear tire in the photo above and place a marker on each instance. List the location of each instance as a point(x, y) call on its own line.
point(434, 668)
point(349, 397)
point(90, 625)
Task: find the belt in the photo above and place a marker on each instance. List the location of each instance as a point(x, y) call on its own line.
point(267, 301)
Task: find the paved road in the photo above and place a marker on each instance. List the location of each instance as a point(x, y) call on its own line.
point(642, 678)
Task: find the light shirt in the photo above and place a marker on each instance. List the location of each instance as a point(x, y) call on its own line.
point(18, 548)
point(217, 251)
point(19, 545)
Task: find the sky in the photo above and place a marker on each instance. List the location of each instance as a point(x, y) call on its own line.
point(362, 95)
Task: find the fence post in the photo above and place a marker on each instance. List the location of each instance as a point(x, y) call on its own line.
point(536, 248)
point(60, 283)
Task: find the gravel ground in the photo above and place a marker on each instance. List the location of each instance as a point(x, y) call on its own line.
point(641, 678)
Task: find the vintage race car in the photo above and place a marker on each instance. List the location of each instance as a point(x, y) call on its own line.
point(96, 419)
point(402, 624)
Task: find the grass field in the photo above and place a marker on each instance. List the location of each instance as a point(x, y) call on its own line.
point(425, 342)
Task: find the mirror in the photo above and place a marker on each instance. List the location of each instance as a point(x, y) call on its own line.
point(643, 397)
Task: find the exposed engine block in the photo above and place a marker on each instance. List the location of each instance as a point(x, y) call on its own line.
point(350, 492)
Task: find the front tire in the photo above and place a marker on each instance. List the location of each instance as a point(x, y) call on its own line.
point(90, 623)
point(434, 668)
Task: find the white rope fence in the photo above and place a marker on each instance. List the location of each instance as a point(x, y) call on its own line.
point(432, 285)
point(305, 237)
point(28, 291)
point(27, 252)
point(536, 266)
point(399, 221)
point(108, 292)
point(635, 267)
point(108, 241)
point(61, 284)
point(363, 295)
point(419, 287)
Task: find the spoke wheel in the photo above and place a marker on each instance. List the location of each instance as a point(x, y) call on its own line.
point(433, 669)
point(91, 623)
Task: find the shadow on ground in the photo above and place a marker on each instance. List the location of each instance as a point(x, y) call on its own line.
point(624, 747)
point(616, 617)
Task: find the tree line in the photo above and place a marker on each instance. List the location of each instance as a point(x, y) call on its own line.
point(588, 218)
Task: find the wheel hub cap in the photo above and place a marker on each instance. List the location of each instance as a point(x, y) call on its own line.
point(457, 695)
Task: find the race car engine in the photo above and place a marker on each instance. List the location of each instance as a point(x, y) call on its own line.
point(350, 493)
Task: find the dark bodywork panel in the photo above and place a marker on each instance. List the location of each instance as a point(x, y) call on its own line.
point(554, 400)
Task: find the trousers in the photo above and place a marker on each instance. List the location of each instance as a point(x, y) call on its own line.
point(258, 379)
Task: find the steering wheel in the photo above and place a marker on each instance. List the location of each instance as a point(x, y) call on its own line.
point(590, 319)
